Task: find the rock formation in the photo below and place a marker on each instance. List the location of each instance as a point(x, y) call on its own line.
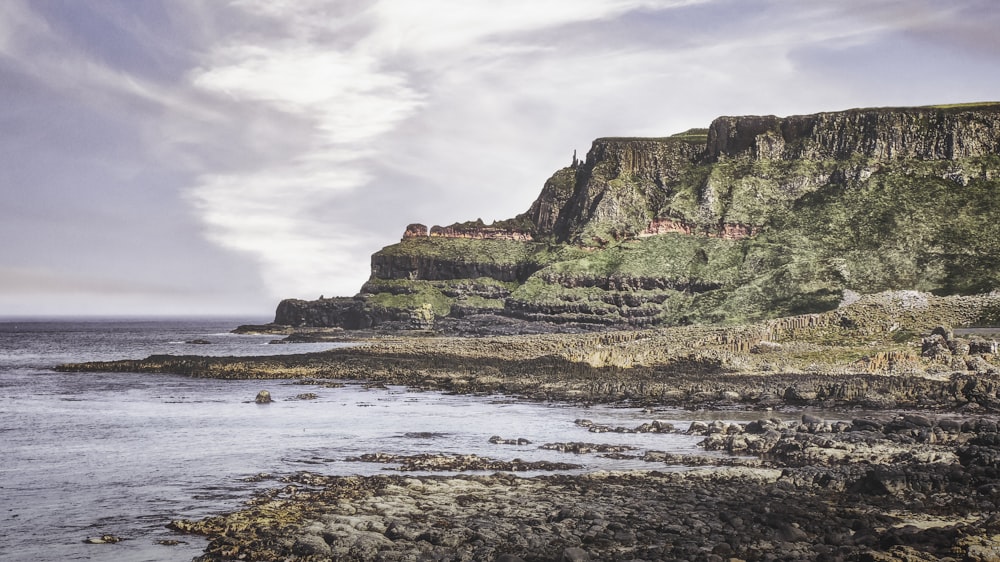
point(752, 218)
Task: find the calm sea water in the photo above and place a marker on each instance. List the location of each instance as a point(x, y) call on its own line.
point(124, 454)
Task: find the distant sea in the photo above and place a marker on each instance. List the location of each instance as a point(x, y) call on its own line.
point(124, 454)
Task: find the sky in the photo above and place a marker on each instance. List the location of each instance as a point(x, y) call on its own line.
point(184, 157)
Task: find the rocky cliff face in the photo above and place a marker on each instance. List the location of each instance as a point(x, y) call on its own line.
point(753, 217)
point(924, 133)
point(621, 186)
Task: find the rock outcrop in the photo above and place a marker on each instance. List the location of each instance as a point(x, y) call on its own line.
point(752, 218)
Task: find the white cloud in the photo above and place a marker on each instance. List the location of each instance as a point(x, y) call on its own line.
point(446, 25)
point(309, 132)
point(409, 64)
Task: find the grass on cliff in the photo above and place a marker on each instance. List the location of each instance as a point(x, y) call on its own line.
point(418, 294)
point(499, 252)
point(675, 257)
point(826, 227)
point(929, 226)
point(970, 105)
point(694, 136)
point(406, 294)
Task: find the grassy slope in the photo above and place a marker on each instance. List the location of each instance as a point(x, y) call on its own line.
point(930, 226)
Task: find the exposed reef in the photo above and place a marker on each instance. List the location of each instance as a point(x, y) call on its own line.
point(885, 351)
point(912, 478)
point(752, 218)
point(903, 488)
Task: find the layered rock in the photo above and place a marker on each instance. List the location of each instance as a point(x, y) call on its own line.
point(728, 231)
point(923, 133)
point(753, 217)
point(481, 233)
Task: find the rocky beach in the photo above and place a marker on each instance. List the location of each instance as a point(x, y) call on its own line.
point(898, 459)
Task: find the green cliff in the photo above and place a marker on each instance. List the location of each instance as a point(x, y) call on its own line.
point(752, 218)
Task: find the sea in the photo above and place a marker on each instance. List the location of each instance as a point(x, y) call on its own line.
point(123, 454)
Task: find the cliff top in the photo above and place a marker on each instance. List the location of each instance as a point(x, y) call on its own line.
point(987, 106)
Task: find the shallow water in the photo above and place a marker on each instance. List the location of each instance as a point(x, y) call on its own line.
point(120, 453)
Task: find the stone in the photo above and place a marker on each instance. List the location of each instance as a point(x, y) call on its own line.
point(497, 440)
point(310, 545)
point(263, 397)
point(810, 419)
point(103, 539)
point(574, 554)
point(918, 420)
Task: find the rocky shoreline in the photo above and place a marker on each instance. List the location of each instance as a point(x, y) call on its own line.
point(918, 480)
point(911, 487)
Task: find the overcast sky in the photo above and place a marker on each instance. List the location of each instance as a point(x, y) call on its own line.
point(212, 157)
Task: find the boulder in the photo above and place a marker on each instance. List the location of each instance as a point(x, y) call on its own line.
point(935, 346)
point(574, 554)
point(263, 397)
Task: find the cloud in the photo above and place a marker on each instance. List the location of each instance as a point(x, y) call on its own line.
point(342, 102)
point(354, 106)
point(295, 137)
point(454, 111)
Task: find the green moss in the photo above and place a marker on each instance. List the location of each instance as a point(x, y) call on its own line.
point(416, 294)
point(686, 259)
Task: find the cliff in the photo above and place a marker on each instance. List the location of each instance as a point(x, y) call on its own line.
point(751, 218)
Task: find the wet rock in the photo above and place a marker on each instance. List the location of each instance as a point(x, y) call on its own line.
point(459, 463)
point(837, 513)
point(918, 420)
point(497, 440)
point(263, 397)
point(306, 396)
point(697, 428)
point(656, 426)
point(867, 425)
point(103, 539)
point(810, 419)
point(310, 545)
point(582, 448)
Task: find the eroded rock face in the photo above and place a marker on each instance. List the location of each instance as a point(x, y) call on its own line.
point(623, 183)
point(754, 217)
point(415, 230)
point(348, 313)
point(481, 233)
point(430, 268)
point(924, 133)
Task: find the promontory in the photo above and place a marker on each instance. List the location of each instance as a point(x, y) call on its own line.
point(751, 218)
